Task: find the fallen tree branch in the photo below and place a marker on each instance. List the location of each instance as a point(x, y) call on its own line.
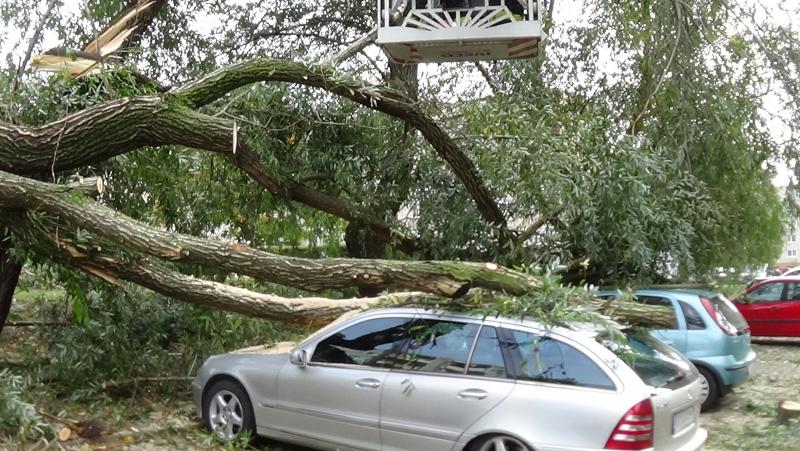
point(437, 277)
point(114, 270)
point(43, 239)
point(117, 127)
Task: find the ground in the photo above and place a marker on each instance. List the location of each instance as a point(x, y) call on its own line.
point(744, 420)
point(144, 418)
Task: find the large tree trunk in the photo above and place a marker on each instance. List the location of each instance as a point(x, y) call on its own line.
point(9, 276)
point(437, 277)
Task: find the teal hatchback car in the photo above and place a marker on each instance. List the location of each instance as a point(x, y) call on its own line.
point(709, 331)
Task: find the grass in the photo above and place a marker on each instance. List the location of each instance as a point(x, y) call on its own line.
point(34, 294)
point(750, 436)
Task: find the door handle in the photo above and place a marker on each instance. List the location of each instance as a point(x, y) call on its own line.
point(368, 383)
point(472, 393)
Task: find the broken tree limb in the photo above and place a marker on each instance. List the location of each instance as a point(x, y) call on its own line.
point(117, 127)
point(436, 277)
point(54, 240)
point(93, 185)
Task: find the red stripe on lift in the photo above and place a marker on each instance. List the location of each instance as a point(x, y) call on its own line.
point(520, 41)
point(531, 48)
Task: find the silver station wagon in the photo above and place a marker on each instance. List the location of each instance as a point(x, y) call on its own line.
point(409, 379)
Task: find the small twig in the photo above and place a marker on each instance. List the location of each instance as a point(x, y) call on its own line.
point(530, 231)
point(66, 421)
point(357, 45)
point(488, 77)
point(33, 323)
point(137, 380)
point(34, 40)
point(663, 73)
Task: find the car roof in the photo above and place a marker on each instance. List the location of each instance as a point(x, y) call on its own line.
point(582, 328)
point(783, 278)
point(775, 279)
point(666, 292)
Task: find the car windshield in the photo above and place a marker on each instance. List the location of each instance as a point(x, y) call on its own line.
point(657, 364)
point(727, 312)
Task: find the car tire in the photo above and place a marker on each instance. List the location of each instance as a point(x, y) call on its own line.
point(493, 443)
point(710, 386)
point(227, 411)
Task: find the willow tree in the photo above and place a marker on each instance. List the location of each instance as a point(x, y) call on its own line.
point(278, 143)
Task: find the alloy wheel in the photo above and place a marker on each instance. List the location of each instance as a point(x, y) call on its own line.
point(704, 388)
point(503, 443)
point(225, 415)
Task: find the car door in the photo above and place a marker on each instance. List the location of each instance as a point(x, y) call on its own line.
point(336, 396)
point(569, 401)
point(452, 374)
point(761, 308)
point(786, 315)
point(674, 336)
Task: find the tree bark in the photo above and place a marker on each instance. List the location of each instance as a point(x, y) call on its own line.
point(438, 277)
point(9, 277)
point(787, 410)
point(60, 246)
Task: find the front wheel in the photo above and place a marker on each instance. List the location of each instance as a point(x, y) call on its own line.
point(499, 443)
point(227, 411)
point(709, 389)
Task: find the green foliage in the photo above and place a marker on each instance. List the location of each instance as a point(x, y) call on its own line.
point(18, 418)
point(137, 334)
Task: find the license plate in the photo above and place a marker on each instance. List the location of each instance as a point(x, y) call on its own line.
point(683, 420)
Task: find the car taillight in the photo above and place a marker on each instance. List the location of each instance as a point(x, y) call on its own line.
point(723, 324)
point(635, 429)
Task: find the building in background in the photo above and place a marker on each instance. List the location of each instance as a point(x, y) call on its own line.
point(790, 255)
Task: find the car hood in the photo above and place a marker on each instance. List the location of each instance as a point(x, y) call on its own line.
point(282, 347)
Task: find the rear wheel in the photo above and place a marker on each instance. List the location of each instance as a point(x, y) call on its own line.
point(227, 410)
point(710, 389)
point(498, 443)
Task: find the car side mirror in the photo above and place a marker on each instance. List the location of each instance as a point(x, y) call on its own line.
point(298, 357)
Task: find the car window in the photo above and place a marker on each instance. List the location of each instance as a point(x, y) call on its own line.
point(793, 291)
point(376, 342)
point(438, 346)
point(693, 319)
point(545, 359)
point(487, 357)
point(729, 314)
point(657, 364)
point(657, 300)
point(770, 292)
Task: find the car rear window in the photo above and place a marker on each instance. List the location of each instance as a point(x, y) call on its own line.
point(657, 364)
point(728, 312)
point(542, 358)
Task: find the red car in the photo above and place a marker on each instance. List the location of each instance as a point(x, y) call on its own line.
point(772, 307)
